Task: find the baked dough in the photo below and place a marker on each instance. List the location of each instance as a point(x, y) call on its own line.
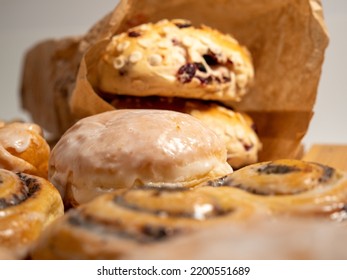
point(272, 203)
point(112, 225)
point(27, 205)
point(128, 148)
point(294, 187)
point(261, 239)
point(23, 148)
point(173, 58)
point(236, 129)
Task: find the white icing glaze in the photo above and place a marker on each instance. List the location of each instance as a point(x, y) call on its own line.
point(125, 148)
point(18, 135)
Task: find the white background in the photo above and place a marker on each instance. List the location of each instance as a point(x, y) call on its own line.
point(24, 23)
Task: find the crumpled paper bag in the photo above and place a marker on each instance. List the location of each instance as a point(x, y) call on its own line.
point(287, 40)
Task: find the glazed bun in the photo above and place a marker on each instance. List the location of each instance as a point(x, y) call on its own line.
point(173, 58)
point(128, 148)
point(236, 129)
point(23, 148)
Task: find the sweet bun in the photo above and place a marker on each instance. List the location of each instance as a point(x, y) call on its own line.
point(128, 148)
point(114, 225)
point(294, 187)
point(236, 129)
point(27, 205)
point(23, 148)
point(173, 58)
point(282, 239)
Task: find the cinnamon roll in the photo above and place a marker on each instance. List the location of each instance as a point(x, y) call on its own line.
point(27, 205)
point(112, 225)
point(288, 238)
point(129, 148)
point(294, 186)
point(23, 148)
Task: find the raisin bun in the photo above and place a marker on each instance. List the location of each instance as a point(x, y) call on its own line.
point(128, 148)
point(23, 148)
point(186, 61)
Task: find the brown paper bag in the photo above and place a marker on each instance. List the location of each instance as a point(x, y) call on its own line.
point(287, 40)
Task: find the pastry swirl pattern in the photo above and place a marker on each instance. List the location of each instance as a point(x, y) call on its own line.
point(27, 205)
point(131, 219)
point(293, 186)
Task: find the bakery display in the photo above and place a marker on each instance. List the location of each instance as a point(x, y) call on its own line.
point(129, 148)
point(28, 204)
point(170, 123)
point(23, 148)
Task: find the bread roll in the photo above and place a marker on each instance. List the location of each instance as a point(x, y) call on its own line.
point(23, 148)
point(27, 205)
point(173, 58)
point(128, 148)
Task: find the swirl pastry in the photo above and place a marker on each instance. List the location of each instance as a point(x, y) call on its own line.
point(294, 186)
point(23, 148)
point(261, 239)
point(236, 129)
point(173, 58)
point(128, 148)
point(27, 205)
point(112, 225)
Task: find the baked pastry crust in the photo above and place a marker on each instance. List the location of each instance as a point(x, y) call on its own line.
point(294, 187)
point(261, 239)
point(23, 148)
point(268, 202)
point(112, 225)
point(27, 205)
point(128, 148)
point(173, 58)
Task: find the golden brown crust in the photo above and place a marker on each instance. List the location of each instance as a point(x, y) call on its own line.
point(261, 239)
point(294, 187)
point(258, 202)
point(27, 205)
point(24, 149)
point(173, 58)
point(112, 225)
